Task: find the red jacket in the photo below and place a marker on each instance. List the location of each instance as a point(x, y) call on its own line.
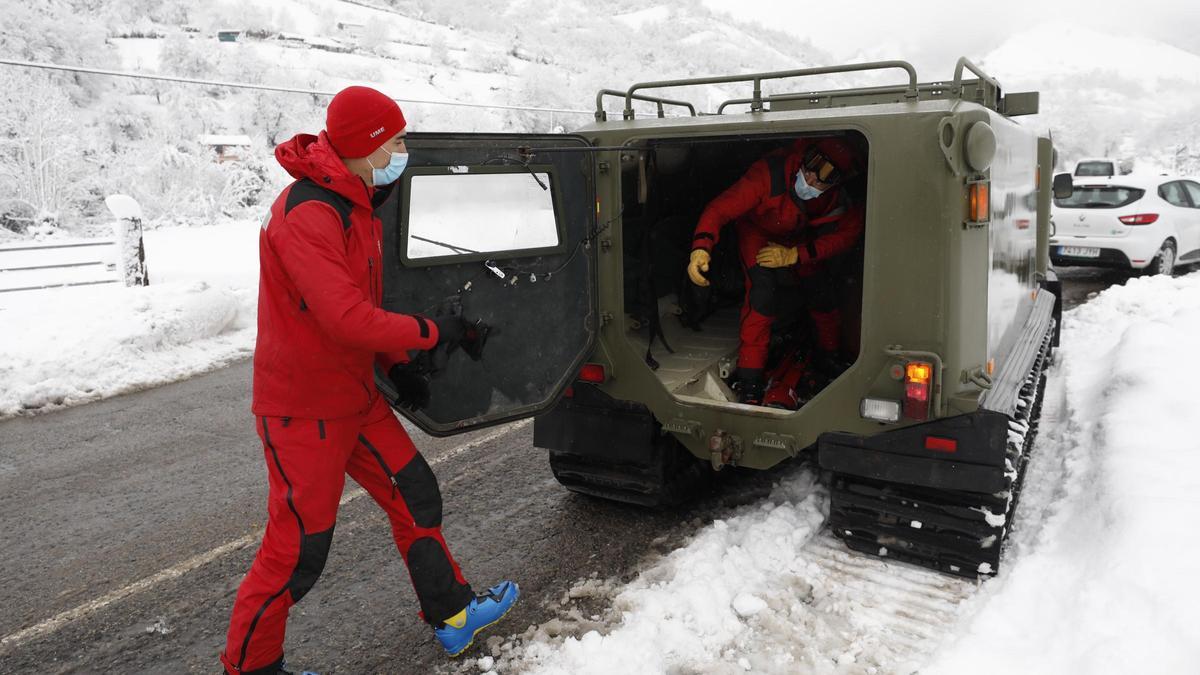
point(764, 198)
point(320, 328)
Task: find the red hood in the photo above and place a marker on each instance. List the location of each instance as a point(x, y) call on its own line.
point(817, 205)
point(308, 156)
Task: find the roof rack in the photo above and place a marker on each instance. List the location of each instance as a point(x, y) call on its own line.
point(602, 116)
point(985, 90)
point(756, 78)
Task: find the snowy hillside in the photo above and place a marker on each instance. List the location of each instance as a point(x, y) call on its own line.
point(1105, 94)
point(142, 137)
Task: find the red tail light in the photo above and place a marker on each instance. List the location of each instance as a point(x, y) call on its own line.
point(918, 383)
point(592, 372)
point(1139, 219)
point(941, 444)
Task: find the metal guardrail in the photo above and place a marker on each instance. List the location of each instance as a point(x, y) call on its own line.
point(51, 266)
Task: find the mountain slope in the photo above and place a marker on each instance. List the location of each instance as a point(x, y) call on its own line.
point(1104, 94)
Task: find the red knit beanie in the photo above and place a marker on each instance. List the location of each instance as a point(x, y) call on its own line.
point(360, 119)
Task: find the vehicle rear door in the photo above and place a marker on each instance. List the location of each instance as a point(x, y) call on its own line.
point(499, 225)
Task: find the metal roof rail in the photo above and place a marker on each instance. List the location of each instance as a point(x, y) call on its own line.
point(814, 96)
point(756, 102)
point(981, 94)
point(602, 116)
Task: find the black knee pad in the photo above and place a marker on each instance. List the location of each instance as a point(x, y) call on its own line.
point(762, 290)
point(825, 296)
point(419, 488)
point(820, 293)
point(314, 550)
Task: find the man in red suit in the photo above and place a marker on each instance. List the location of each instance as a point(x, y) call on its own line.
point(792, 216)
point(321, 331)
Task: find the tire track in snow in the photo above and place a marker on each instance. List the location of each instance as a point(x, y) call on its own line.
point(825, 609)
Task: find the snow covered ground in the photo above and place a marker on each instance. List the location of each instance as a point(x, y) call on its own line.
point(71, 345)
point(1100, 575)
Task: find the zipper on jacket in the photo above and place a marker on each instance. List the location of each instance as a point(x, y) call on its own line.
point(371, 280)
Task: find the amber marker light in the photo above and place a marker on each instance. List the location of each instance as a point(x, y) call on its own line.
point(918, 383)
point(977, 198)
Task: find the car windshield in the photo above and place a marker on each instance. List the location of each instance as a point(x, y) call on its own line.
point(1095, 169)
point(1100, 197)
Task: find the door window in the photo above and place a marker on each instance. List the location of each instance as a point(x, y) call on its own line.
point(465, 214)
point(1174, 195)
point(1193, 190)
point(1095, 169)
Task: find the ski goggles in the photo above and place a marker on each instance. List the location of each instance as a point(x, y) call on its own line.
point(821, 166)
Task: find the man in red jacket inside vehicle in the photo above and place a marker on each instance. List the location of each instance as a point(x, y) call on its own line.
point(321, 418)
point(792, 216)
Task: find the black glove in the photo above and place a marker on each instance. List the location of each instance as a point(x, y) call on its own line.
point(451, 329)
point(411, 383)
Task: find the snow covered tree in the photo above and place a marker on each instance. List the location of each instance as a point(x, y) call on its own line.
point(376, 36)
point(41, 160)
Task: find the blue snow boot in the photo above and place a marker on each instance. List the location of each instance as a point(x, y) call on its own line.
point(458, 632)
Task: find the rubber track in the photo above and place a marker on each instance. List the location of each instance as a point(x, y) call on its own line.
point(956, 532)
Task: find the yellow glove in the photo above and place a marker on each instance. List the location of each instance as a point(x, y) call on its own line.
point(698, 264)
point(774, 255)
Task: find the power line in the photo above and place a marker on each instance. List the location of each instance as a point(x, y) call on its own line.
point(266, 87)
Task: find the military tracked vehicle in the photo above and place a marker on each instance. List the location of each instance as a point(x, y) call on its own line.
point(572, 249)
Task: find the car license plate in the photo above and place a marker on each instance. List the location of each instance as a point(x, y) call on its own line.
point(1079, 251)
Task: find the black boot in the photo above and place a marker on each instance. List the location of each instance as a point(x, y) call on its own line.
point(829, 364)
point(749, 385)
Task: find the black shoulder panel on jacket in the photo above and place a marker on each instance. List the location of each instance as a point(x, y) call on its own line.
point(305, 190)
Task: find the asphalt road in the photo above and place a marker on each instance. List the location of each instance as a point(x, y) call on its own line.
point(127, 525)
point(104, 504)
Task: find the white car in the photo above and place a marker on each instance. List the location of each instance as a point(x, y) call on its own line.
point(1147, 223)
point(1098, 166)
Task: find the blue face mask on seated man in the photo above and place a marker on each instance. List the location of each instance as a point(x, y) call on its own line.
point(804, 190)
point(391, 172)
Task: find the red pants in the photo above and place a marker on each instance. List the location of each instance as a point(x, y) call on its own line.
point(307, 462)
point(758, 309)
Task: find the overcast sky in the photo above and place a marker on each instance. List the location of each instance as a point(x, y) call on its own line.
point(932, 34)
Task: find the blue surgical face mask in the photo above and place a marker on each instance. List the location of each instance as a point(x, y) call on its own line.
point(391, 172)
point(804, 190)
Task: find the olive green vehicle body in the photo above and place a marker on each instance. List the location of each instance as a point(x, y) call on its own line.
point(933, 282)
point(969, 292)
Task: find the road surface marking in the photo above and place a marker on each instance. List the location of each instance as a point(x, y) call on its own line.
point(175, 571)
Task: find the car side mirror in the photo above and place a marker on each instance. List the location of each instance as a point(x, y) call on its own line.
point(1063, 186)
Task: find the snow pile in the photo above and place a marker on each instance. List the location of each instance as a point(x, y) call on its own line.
point(67, 346)
point(711, 599)
point(1099, 577)
point(1108, 584)
point(759, 591)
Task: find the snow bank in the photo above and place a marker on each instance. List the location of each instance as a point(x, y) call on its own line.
point(1100, 575)
point(710, 598)
point(67, 346)
point(758, 591)
point(1109, 583)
